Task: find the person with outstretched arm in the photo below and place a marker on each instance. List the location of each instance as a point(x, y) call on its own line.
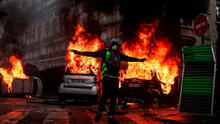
point(111, 58)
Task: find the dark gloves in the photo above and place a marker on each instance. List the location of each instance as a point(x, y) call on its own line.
point(75, 51)
point(142, 60)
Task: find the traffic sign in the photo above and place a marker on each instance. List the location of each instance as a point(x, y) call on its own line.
point(201, 25)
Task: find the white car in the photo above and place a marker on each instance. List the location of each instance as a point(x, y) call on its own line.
point(78, 86)
point(21, 87)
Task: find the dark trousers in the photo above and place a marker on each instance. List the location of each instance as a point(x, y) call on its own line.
point(110, 90)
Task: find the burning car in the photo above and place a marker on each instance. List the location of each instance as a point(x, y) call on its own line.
point(81, 71)
point(21, 87)
point(139, 90)
point(78, 86)
point(15, 82)
point(162, 62)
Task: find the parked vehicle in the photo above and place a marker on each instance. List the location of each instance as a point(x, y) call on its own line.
point(78, 86)
point(139, 90)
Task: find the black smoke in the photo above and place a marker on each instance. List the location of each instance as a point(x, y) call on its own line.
point(14, 23)
point(92, 6)
point(136, 12)
point(105, 6)
point(2, 14)
point(167, 12)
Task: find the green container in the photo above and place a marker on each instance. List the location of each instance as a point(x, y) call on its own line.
point(197, 48)
point(198, 53)
point(197, 85)
point(198, 80)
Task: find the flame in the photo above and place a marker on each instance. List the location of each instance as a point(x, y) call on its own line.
point(83, 41)
point(159, 62)
point(16, 71)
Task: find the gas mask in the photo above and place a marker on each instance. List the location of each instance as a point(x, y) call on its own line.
point(114, 47)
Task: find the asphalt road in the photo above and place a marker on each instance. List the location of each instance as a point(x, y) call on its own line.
point(49, 111)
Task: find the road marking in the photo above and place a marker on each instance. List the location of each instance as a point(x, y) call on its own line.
point(14, 116)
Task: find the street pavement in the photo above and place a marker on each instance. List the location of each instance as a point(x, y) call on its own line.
point(49, 111)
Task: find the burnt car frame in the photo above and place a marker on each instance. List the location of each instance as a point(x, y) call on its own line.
point(139, 90)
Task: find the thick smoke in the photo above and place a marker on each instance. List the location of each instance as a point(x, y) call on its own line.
point(92, 7)
point(166, 12)
point(14, 22)
point(105, 6)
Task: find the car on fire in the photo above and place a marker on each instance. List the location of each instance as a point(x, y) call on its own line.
point(32, 86)
point(139, 90)
point(79, 86)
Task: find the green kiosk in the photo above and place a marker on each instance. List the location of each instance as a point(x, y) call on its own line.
point(198, 80)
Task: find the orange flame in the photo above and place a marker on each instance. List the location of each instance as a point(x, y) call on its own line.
point(159, 62)
point(83, 41)
point(16, 71)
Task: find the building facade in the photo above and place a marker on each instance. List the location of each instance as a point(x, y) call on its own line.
point(211, 36)
point(49, 24)
point(46, 37)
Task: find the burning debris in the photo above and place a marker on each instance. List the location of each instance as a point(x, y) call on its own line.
point(162, 61)
point(16, 71)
